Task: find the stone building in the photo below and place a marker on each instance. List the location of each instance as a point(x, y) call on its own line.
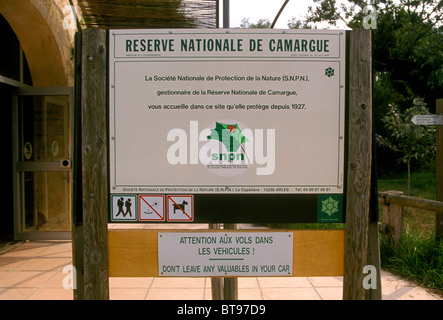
point(36, 92)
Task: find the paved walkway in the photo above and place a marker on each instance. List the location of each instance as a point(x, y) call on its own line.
point(33, 270)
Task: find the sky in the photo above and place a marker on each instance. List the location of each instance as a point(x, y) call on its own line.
point(266, 9)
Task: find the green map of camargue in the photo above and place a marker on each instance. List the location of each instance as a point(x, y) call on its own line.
point(228, 134)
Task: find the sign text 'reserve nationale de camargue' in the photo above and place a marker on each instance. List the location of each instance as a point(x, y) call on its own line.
point(227, 111)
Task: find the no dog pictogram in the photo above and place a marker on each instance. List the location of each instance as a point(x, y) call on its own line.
point(180, 208)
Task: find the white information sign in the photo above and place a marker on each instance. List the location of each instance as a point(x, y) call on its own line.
point(428, 120)
point(225, 254)
point(217, 111)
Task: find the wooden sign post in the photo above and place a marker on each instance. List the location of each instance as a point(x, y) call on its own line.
point(90, 225)
point(100, 253)
point(361, 247)
point(439, 168)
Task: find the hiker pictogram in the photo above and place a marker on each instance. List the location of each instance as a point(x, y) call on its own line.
point(128, 206)
point(120, 204)
point(123, 207)
point(180, 208)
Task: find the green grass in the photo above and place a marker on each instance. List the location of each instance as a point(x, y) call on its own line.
point(415, 258)
point(415, 221)
point(422, 184)
point(418, 256)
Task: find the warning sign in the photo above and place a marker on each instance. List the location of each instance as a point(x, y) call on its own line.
point(123, 208)
point(151, 207)
point(203, 254)
point(180, 208)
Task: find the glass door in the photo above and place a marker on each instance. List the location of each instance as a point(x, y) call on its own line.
point(43, 163)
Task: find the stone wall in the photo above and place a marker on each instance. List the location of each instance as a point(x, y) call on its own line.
point(46, 33)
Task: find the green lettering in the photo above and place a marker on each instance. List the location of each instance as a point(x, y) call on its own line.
point(297, 45)
point(156, 45)
point(184, 45)
point(288, 45)
point(143, 44)
point(271, 45)
point(218, 44)
point(312, 45)
point(226, 45)
point(128, 46)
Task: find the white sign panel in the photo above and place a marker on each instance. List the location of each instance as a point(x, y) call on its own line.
point(216, 111)
point(180, 208)
point(225, 254)
point(427, 120)
point(151, 208)
point(123, 208)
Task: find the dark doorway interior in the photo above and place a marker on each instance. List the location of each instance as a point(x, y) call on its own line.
point(7, 202)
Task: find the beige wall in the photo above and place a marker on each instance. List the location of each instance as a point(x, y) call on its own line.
point(47, 42)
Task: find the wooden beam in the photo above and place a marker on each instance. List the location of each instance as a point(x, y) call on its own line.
point(317, 253)
point(94, 164)
point(77, 205)
point(359, 163)
point(394, 197)
point(217, 284)
point(230, 286)
point(393, 217)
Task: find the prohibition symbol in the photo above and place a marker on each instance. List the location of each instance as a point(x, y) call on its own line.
point(151, 207)
point(180, 208)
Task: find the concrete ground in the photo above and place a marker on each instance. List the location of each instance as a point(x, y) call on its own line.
point(37, 270)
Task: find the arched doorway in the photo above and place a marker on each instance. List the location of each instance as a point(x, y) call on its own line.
point(47, 44)
point(36, 70)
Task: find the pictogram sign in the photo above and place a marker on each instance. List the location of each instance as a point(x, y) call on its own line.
point(151, 207)
point(180, 208)
point(124, 208)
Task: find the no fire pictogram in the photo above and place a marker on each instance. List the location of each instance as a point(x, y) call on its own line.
point(180, 208)
point(151, 207)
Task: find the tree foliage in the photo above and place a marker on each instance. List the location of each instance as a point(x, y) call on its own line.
point(412, 142)
point(408, 63)
point(260, 24)
point(408, 45)
point(407, 57)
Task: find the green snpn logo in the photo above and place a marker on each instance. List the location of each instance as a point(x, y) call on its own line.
point(329, 206)
point(223, 146)
point(232, 138)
